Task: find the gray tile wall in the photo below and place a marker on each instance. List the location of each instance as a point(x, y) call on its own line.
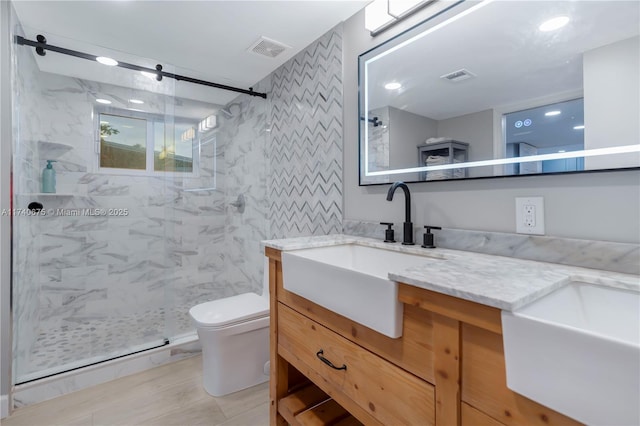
point(305, 185)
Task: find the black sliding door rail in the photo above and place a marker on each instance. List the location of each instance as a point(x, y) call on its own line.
point(42, 46)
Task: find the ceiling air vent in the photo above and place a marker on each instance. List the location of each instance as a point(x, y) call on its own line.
point(267, 47)
point(459, 75)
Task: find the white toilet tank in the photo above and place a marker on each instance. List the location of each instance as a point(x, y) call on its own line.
point(234, 333)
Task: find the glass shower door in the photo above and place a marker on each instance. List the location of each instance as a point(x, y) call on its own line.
point(89, 271)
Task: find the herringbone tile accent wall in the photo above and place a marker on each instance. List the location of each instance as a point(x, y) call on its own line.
point(305, 188)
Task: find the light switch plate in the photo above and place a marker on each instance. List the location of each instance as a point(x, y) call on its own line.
point(530, 215)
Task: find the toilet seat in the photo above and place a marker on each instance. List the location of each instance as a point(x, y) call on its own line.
point(230, 311)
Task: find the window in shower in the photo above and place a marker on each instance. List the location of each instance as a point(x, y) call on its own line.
point(146, 144)
point(123, 142)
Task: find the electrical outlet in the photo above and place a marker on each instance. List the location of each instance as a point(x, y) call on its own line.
point(530, 215)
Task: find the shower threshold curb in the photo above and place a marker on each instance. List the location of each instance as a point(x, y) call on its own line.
point(182, 347)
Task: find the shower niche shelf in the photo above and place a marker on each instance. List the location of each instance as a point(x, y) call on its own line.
point(54, 149)
point(46, 194)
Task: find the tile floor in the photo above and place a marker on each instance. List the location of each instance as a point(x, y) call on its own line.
point(77, 343)
point(168, 395)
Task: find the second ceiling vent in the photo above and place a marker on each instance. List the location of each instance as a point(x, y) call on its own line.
point(266, 47)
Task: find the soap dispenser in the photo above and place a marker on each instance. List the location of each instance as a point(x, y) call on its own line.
point(49, 178)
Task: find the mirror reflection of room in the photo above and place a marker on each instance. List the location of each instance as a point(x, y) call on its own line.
point(484, 88)
point(546, 129)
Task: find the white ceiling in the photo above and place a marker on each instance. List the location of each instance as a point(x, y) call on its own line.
point(202, 39)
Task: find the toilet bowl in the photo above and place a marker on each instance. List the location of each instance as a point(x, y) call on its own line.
point(234, 333)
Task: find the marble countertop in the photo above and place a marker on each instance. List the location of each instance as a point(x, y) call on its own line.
point(502, 282)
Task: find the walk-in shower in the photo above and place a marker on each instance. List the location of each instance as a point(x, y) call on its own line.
point(141, 226)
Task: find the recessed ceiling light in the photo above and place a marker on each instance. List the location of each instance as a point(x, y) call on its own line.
point(554, 23)
point(136, 101)
point(107, 61)
point(552, 113)
point(148, 74)
point(103, 101)
point(580, 127)
point(394, 85)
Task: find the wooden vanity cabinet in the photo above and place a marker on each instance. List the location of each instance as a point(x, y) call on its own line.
point(446, 369)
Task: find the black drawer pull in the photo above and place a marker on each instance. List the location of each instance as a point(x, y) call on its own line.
point(329, 363)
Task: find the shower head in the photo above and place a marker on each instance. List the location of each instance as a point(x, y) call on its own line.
point(231, 110)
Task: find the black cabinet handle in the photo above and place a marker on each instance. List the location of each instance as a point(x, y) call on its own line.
point(329, 363)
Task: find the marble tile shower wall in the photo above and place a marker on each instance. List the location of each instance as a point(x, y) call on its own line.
point(378, 144)
point(244, 133)
point(73, 271)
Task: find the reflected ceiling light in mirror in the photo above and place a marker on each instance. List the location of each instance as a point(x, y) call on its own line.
point(136, 101)
point(103, 101)
point(554, 23)
point(107, 61)
point(552, 113)
point(580, 127)
point(393, 85)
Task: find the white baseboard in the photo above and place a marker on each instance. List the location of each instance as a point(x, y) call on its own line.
point(60, 384)
point(4, 406)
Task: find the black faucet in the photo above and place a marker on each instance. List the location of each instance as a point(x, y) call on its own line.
point(408, 226)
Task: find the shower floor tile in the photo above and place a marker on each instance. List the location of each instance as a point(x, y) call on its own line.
point(90, 340)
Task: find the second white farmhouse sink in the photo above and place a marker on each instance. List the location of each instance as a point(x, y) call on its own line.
point(351, 280)
point(577, 351)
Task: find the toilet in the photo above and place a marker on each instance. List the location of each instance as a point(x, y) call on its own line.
point(234, 333)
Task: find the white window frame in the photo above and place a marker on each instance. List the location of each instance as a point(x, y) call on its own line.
point(150, 119)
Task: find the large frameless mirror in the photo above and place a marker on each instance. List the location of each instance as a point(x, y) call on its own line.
point(501, 88)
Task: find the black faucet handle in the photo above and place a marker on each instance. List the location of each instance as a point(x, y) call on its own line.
point(427, 238)
point(388, 233)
